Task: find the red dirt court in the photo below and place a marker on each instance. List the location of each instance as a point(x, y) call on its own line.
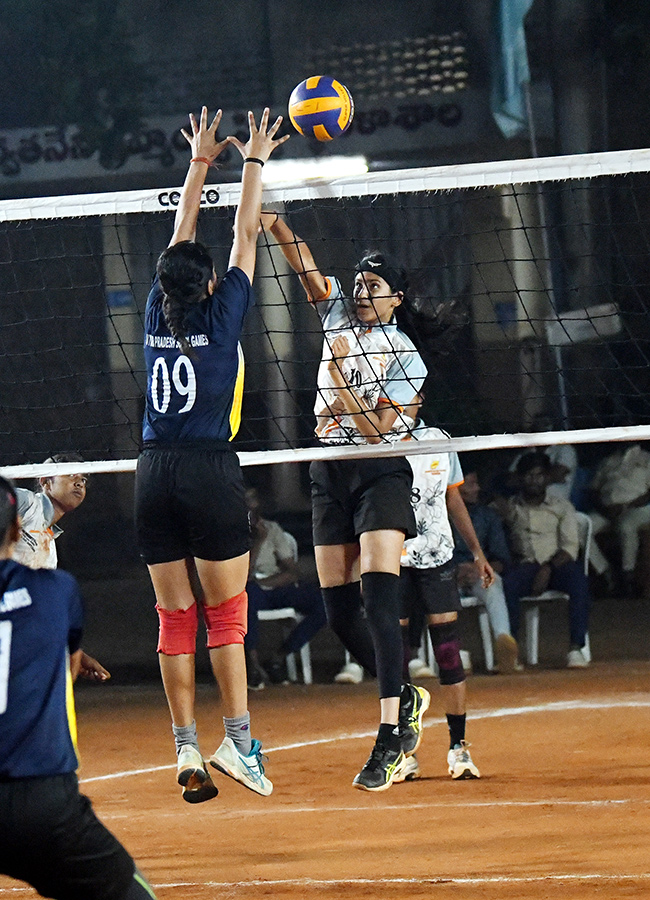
point(562, 809)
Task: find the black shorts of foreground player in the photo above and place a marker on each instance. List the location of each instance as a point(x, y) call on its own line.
point(191, 515)
point(369, 372)
point(49, 835)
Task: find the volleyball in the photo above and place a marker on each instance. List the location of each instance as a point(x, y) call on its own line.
point(321, 107)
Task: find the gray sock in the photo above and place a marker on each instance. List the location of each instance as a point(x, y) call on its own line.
point(239, 731)
point(185, 734)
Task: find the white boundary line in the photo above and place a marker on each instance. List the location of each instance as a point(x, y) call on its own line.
point(238, 814)
point(432, 880)
point(503, 712)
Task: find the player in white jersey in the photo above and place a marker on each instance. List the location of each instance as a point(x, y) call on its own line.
point(361, 508)
point(39, 512)
point(429, 576)
point(381, 364)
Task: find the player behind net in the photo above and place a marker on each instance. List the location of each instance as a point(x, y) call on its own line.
point(370, 370)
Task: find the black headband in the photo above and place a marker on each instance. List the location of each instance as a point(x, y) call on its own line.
point(379, 265)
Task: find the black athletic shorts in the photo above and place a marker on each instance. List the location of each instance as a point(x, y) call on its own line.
point(352, 496)
point(51, 838)
point(190, 501)
point(434, 590)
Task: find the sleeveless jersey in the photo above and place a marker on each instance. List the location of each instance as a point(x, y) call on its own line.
point(383, 364)
point(40, 624)
point(198, 396)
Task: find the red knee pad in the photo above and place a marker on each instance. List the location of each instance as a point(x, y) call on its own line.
point(177, 631)
point(226, 623)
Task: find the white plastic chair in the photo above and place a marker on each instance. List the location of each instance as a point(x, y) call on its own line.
point(531, 615)
point(289, 614)
point(484, 628)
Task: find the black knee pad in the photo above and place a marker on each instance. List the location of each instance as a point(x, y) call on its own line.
point(342, 604)
point(446, 649)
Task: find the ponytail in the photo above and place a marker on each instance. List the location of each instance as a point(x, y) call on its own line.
point(184, 271)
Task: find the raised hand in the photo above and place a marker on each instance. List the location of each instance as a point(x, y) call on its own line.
point(203, 139)
point(340, 348)
point(261, 142)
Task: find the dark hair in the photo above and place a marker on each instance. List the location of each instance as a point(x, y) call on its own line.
point(421, 327)
point(8, 507)
point(387, 268)
point(531, 460)
point(184, 271)
point(67, 457)
point(71, 456)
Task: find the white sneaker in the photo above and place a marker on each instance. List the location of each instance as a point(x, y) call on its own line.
point(352, 673)
point(193, 776)
point(247, 770)
point(460, 762)
point(576, 660)
point(419, 669)
point(409, 771)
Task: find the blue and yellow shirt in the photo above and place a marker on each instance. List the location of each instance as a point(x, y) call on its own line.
point(40, 626)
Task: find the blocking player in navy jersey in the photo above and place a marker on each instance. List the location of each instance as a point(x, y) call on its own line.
point(370, 370)
point(189, 493)
point(49, 835)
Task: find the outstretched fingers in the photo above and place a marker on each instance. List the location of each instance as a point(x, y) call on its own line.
point(201, 127)
point(215, 122)
point(273, 129)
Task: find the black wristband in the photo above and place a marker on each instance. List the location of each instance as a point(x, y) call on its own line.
point(254, 159)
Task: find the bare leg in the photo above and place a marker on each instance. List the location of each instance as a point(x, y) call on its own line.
point(178, 680)
point(229, 668)
point(454, 698)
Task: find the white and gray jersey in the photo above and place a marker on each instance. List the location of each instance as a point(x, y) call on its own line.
point(383, 365)
point(433, 475)
point(36, 547)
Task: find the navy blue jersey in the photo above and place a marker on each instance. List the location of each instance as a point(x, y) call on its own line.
point(40, 623)
point(197, 397)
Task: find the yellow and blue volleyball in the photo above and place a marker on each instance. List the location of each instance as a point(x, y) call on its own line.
point(321, 107)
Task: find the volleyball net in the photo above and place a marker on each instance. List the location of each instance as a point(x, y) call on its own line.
point(533, 273)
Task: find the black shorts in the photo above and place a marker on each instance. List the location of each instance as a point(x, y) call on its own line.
point(352, 496)
point(51, 838)
point(434, 590)
point(190, 501)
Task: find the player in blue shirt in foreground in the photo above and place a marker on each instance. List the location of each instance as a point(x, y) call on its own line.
point(49, 835)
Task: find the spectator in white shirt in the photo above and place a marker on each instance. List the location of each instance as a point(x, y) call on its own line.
point(621, 494)
point(545, 543)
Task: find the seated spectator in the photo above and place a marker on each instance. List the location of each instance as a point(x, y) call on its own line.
point(491, 536)
point(621, 496)
point(273, 583)
point(544, 539)
point(563, 459)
